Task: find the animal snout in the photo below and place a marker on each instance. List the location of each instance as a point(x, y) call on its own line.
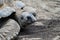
point(31, 19)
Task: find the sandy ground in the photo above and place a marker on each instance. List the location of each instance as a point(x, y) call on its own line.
point(48, 28)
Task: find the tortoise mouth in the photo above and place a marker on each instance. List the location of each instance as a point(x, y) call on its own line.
point(36, 21)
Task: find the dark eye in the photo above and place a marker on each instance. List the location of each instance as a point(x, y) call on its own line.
point(22, 18)
point(28, 17)
point(34, 14)
point(22, 7)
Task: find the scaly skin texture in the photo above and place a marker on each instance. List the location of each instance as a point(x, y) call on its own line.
point(9, 30)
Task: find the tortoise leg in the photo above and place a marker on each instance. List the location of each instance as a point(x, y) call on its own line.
point(9, 30)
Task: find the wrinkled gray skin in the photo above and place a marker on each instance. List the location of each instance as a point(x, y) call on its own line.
point(26, 18)
point(9, 30)
point(23, 20)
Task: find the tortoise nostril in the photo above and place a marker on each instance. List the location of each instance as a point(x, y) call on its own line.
point(29, 18)
point(22, 18)
point(22, 7)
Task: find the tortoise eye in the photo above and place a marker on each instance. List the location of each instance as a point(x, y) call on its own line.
point(22, 7)
point(34, 14)
point(28, 17)
point(22, 18)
